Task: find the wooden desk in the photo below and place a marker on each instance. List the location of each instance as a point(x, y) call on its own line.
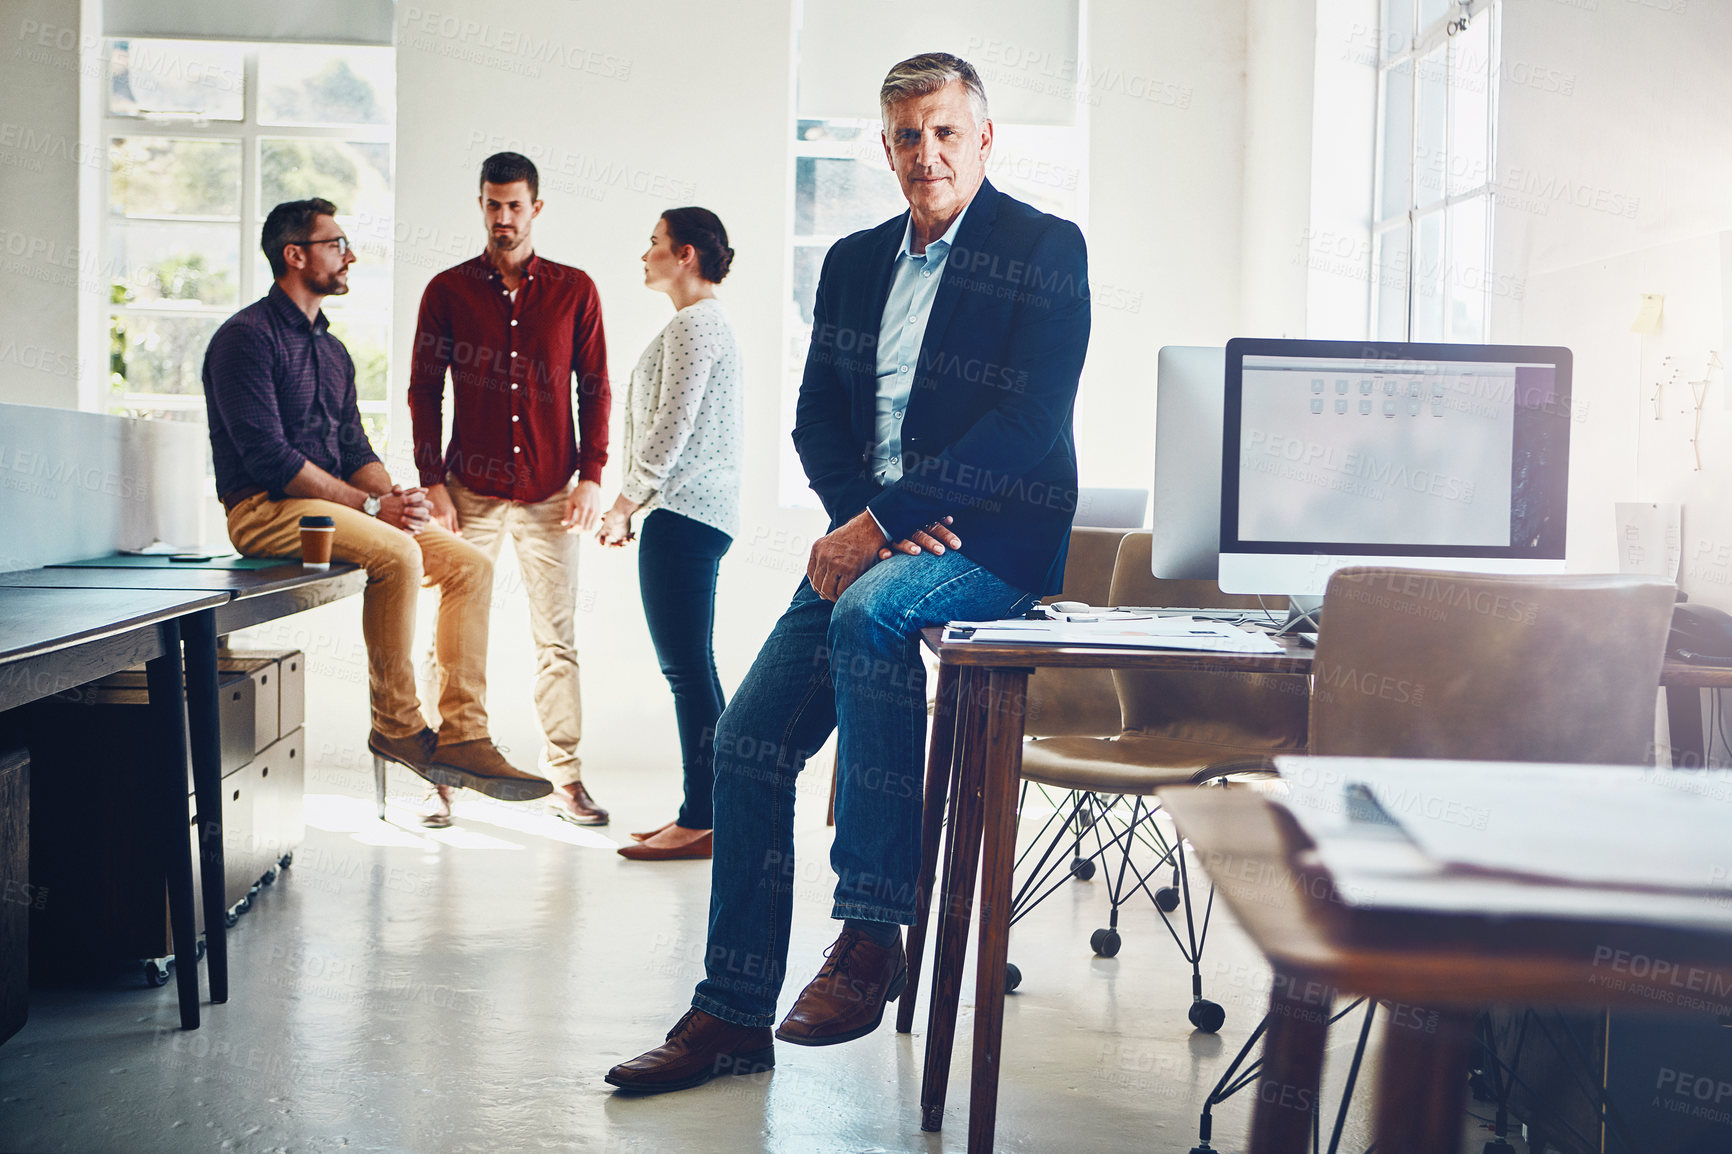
point(52, 640)
point(976, 763)
point(242, 597)
point(1440, 971)
point(973, 772)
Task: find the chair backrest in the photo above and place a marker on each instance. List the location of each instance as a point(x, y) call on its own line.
point(1078, 702)
point(1244, 711)
point(1424, 663)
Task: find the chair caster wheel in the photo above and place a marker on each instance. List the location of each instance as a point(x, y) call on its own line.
point(1082, 869)
point(1012, 977)
point(230, 917)
point(1207, 1016)
point(1105, 943)
point(1166, 899)
point(269, 877)
point(198, 950)
point(155, 972)
point(287, 859)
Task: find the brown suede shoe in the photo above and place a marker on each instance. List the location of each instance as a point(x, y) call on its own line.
point(573, 803)
point(415, 752)
point(700, 1047)
point(846, 1000)
point(478, 765)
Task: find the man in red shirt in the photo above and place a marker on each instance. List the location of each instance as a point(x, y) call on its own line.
point(513, 329)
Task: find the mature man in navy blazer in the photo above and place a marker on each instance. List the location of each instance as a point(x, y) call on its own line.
point(934, 422)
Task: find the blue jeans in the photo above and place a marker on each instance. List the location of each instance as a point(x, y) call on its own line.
point(852, 665)
point(676, 573)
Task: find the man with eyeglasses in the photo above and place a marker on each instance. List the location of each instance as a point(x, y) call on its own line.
point(287, 442)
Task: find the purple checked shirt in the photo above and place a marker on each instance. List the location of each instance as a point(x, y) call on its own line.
point(280, 391)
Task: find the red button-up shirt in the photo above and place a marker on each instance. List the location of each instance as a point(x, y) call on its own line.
point(512, 363)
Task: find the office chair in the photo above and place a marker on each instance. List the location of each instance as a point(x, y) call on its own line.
point(1177, 728)
point(1429, 664)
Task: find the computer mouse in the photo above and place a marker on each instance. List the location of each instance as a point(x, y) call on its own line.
point(1069, 607)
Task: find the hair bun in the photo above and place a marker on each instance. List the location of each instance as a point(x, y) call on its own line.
point(703, 231)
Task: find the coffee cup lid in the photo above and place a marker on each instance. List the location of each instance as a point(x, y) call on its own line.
point(318, 523)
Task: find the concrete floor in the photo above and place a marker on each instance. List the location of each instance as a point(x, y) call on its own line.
point(464, 990)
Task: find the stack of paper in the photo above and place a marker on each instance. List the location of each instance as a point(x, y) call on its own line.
point(1119, 631)
point(1520, 839)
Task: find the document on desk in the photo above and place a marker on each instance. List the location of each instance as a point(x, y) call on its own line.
point(1519, 839)
point(1119, 632)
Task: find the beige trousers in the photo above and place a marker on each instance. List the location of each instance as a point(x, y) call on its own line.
point(397, 565)
point(547, 558)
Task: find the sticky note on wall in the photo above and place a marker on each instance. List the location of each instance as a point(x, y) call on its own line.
point(1648, 316)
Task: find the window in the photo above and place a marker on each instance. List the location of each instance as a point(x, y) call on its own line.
point(842, 184)
point(204, 138)
point(1437, 104)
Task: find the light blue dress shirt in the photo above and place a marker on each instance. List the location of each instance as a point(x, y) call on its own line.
point(913, 286)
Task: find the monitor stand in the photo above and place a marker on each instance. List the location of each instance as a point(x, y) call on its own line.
point(1304, 615)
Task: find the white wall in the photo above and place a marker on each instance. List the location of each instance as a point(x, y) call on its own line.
point(1614, 165)
point(46, 48)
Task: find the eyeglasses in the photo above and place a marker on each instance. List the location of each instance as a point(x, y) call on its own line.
point(342, 243)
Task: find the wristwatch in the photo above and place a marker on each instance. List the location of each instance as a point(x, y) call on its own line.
point(371, 505)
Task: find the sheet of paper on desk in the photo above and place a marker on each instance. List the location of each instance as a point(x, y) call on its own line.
point(1519, 839)
point(1142, 633)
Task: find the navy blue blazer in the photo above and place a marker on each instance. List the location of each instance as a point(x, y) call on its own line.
point(987, 436)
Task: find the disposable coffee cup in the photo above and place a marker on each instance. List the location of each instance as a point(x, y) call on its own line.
point(317, 534)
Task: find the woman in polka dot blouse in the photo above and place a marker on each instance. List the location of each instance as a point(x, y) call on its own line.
point(683, 446)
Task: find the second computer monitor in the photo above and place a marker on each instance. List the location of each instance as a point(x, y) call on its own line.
point(1189, 382)
point(1350, 452)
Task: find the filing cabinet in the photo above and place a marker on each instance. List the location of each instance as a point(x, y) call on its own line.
point(102, 911)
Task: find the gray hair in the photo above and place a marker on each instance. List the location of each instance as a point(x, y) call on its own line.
point(925, 74)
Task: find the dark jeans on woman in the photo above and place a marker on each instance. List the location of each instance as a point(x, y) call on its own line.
point(676, 573)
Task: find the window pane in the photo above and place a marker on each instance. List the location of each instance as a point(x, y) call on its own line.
point(1470, 92)
point(1396, 177)
point(1428, 269)
point(158, 354)
point(327, 85)
point(355, 176)
point(1397, 26)
point(1429, 145)
point(175, 79)
point(1390, 289)
point(836, 197)
point(175, 262)
point(1431, 11)
point(161, 176)
point(808, 261)
point(367, 339)
point(1469, 278)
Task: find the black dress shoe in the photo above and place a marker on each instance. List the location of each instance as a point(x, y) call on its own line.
point(700, 1047)
point(846, 1000)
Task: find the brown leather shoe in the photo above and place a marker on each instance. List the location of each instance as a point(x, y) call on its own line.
point(414, 752)
point(700, 1047)
point(644, 851)
point(478, 765)
point(573, 803)
point(846, 1000)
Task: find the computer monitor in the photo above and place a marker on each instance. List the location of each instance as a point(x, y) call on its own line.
point(1341, 453)
point(1189, 384)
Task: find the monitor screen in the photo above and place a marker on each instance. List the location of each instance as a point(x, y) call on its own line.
point(1350, 452)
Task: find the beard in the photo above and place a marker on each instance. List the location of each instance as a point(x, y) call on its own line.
point(333, 285)
point(506, 242)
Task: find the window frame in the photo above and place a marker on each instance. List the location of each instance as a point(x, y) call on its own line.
point(251, 135)
point(1403, 227)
